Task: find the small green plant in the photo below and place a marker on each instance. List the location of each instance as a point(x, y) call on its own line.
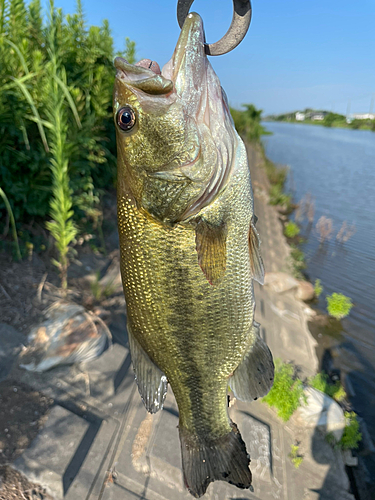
point(278, 197)
point(338, 305)
point(351, 436)
point(318, 288)
point(294, 455)
point(298, 262)
point(322, 383)
point(12, 222)
point(330, 438)
point(291, 230)
point(286, 392)
point(100, 290)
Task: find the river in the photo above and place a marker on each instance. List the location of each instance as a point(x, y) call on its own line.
point(337, 167)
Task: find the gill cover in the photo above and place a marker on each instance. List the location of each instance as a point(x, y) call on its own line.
point(179, 155)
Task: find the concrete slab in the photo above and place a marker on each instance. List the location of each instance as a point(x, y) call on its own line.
point(48, 458)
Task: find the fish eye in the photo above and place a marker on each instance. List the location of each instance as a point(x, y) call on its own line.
point(125, 118)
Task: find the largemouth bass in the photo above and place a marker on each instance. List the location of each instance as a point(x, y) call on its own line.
point(189, 254)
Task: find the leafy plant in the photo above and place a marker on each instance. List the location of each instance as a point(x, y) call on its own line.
point(298, 262)
point(84, 76)
point(291, 230)
point(351, 436)
point(339, 305)
point(294, 455)
point(321, 382)
point(278, 197)
point(12, 222)
point(286, 392)
point(248, 122)
point(318, 289)
point(99, 290)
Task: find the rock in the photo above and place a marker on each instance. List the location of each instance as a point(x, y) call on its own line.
point(111, 281)
point(70, 334)
point(349, 459)
point(323, 412)
point(305, 291)
point(11, 343)
point(310, 313)
point(280, 282)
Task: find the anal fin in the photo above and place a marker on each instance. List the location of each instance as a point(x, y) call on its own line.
point(152, 382)
point(253, 377)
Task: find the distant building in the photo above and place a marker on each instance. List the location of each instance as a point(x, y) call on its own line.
point(300, 116)
point(363, 116)
point(318, 116)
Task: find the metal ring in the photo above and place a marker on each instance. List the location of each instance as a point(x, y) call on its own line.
point(237, 29)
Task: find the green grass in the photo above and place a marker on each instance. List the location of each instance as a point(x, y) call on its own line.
point(321, 382)
point(351, 436)
point(287, 391)
point(291, 230)
point(12, 223)
point(278, 197)
point(294, 455)
point(298, 262)
point(100, 291)
point(318, 289)
point(339, 305)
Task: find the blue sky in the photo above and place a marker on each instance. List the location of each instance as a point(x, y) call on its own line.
point(297, 53)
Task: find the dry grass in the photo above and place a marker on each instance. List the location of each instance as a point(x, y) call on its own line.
point(324, 228)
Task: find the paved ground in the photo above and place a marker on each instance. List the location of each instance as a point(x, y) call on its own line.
point(99, 443)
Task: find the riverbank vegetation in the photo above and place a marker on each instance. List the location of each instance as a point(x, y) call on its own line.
point(322, 382)
point(248, 123)
point(287, 394)
point(57, 141)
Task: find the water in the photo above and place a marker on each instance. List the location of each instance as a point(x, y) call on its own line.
point(337, 166)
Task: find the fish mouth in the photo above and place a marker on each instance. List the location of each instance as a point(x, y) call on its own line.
point(189, 81)
point(187, 60)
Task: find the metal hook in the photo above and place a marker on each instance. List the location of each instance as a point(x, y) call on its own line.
point(237, 29)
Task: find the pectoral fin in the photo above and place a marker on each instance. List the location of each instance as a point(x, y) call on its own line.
point(253, 377)
point(256, 262)
point(151, 381)
point(211, 244)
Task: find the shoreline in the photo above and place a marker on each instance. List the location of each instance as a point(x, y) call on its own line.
point(295, 122)
point(316, 319)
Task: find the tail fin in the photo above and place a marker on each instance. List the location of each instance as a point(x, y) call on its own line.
point(205, 461)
